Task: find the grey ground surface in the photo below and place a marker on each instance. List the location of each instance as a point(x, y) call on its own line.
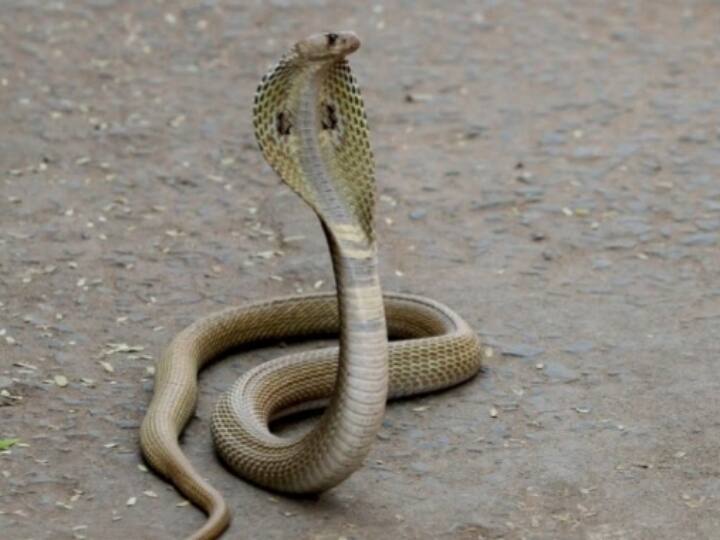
point(549, 169)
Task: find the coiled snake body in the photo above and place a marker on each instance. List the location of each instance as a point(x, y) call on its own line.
point(311, 126)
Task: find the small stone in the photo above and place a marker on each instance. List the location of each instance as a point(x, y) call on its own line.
point(177, 121)
point(418, 213)
point(475, 132)
point(525, 177)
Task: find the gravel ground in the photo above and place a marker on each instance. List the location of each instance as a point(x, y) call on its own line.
point(548, 169)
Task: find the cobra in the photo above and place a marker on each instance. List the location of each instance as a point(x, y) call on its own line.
point(311, 126)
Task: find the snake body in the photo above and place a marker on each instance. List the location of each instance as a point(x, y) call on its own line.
point(311, 127)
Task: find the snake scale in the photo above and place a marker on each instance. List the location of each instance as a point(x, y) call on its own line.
point(311, 126)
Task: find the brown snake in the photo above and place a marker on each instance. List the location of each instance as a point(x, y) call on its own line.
point(311, 127)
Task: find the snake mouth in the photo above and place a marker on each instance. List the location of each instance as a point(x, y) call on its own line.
point(347, 41)
point(327, 46)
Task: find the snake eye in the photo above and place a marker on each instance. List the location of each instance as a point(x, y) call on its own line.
point(331, 39)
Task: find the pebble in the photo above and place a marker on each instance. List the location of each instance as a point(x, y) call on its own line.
point(418, 213)
point(475, 132)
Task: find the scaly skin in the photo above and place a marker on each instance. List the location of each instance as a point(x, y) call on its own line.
point(310, 124)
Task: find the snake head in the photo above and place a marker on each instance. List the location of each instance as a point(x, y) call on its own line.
point(327, 46)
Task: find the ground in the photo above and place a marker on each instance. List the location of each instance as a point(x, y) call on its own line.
point(548, 169)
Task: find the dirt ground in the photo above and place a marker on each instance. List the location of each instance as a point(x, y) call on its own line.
point(549, 169)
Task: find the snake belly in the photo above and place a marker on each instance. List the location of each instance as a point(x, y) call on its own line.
point(311, 127)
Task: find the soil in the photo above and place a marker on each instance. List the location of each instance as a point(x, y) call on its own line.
point(548, 169)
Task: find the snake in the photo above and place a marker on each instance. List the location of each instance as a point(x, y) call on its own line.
point(311, 126)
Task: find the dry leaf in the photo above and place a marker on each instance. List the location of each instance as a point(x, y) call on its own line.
point(6, 444)
point(121, 348)
point(107, 366)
